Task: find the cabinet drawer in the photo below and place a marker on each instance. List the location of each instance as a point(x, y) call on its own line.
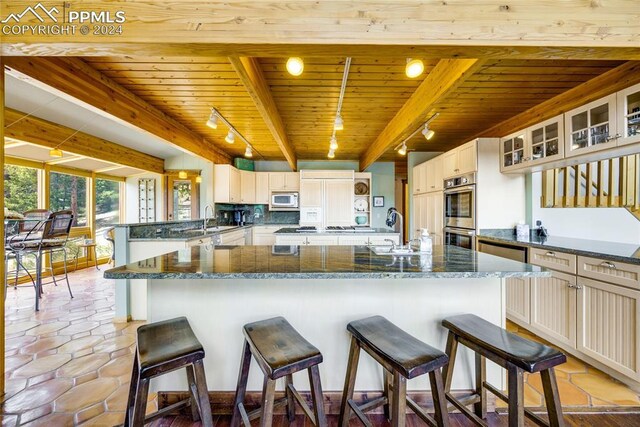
point(552, 259)
point(196, 242)
point(615, 272)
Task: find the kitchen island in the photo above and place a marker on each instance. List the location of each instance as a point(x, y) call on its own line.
point(319, 289)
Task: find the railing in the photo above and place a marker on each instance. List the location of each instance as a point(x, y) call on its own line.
point(610, 183)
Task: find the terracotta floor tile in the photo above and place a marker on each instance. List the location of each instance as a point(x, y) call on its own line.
point(42, 365)
point(118, 400)
point(88, 413)
point(14, 362)
point(76, 328)
point(18, 342)
point(8, 420)
point(12, 387)
point(570, 395)
point(52, 420)
point(572, 365)
point(117, 367)
point(47, 328)
point(108, 328)
point(83, 365)
point(78, 344)
point(45, 344)
point(115, 343)
point(106, 419)
point(37, 395)
point(36, 413)
point(15, 328)
point(85, 395)
point(600, 386)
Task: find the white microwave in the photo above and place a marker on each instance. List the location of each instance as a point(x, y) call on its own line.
point(284, 201)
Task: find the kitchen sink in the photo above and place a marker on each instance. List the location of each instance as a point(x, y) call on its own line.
point(389, 250)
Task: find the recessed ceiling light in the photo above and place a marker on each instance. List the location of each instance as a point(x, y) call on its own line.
point(248, 152)
point(213, 121)
point(333, 145)
point(414, 68)
point(338, 124)
point(230, 138)
point(403, 149)
point(295, 66)
point(55, 152)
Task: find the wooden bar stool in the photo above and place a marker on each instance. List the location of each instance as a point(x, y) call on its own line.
point(512, 352)
point(280, 352)
point(403, 357)
point(163, 347)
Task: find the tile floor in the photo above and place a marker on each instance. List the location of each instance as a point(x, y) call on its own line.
point(70, 364)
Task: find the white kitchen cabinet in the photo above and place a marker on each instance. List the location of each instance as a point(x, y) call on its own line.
point(338, 202)
point(628, 111)
point(435, 213)
point(608, 327)
point(373, 240)
point(263, 234)
point(460, 160)
point(420, 213)
point(591, 127)
point(233, 238)
point(553, 307)
point(381, 239)
point(434, 177)
point(420, 178)
point(262, 188)
point(553, 259)
point(618, 273)
point(247, 187)
point(541, 143)
point(322, 240)
point(518, 301)
point(513, 151)
point(284, 181)
point(226, 184)
point(311, 193)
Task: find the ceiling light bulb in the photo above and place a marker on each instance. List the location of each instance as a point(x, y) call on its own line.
point(55, 152)
point(338, 124)
point(230, 138)
point(199, 179)
point(248, 152)
point(403, 149)
point(295, 66)
point(414, 68)
point(428, 133)
point(331, 154)
point(333, 145)
point(213, 121)
point(182, 175)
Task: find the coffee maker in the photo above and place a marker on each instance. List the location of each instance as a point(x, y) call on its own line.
point(239, 216)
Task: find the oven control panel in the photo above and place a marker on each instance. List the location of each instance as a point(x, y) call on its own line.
point(461, 180)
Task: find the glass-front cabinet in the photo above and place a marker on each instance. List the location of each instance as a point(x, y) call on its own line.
point(513, 151)
point(545, 141)
point(629, 115)
point(592, 127)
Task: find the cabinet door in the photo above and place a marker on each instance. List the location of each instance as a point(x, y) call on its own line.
point(311, 191)
point(322, 240)
point(628, 111)
point(381, 240)
point(429, 176)
point(276, 181)
point(234, 186)
point(262, 188)
point(338, 203)
point(450, 163)
point(247, 187)
point(221, 183)
point(438, 176)
point(591, 127)
point(353, 240)
point(608, 317)
point(467, 158)
point(291, 181)
point(264, 239)
point(518, 298)
point(545, 141)
point(513, 151)
point(553, 306)
point(419, 179)
point(420, 213)
point(435, 212)
point(295, 240)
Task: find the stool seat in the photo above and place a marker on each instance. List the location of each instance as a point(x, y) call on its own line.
point(162, 344)
point(279, 348)
point(405, 353)
point(528, 355)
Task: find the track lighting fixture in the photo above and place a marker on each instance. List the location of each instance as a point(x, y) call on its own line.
point(333, 145)
point(295, 66)
point(55, 152)
point(414, 68)
point(231, 137)
point(248, 152)
point(338, 124)
point(428, 133)
point(403, 149)
point(331, 154)
point(213, 120)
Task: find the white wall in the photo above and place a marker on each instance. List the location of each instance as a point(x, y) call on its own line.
point(608, 224)
point(131, 197)
point(196, 163)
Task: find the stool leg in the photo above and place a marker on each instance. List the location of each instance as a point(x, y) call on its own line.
point(316, 396)
point(480, 408)
point(268, 396)
point(399, 402)
point(349, 383)
point(439, 400)
point(386, 377)
point(447, 370)
point(551, 397)
point(515, 378)
point(291, 402)
point(203, 394)
point(193, 392)
point(133, 389)
point(140, 405)
point(241, 389)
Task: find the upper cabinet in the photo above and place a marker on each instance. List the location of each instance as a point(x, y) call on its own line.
point(284, 181)
point(628, 109)
point(262, 188)
point(247, 187)
point(591, 127)
point(460, 160)
point(226, 184)
point(428, 176)
point(512, 150)
point(540, 143)
point(420, 178)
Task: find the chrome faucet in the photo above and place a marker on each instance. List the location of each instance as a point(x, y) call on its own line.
point(393, 244)
point(392, 217)
point(207, 218)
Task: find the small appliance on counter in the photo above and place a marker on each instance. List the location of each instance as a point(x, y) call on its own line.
point(522, 231)
point(239, 216)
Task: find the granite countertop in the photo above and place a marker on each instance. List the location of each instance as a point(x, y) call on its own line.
point(321, 262)
point(292, 230)
point(622, 252)
point(188, 234)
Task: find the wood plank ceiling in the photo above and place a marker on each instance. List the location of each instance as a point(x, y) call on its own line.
point(186, 88)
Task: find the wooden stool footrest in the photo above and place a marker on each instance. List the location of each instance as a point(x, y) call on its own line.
point(421, 413)
point(460, 407)
point(359, 413)
point(167, 411)
point(500, 395)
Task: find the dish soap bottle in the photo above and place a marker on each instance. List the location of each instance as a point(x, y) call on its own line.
point(424, 243)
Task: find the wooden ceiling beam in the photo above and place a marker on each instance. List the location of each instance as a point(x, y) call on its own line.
point(76, 79)
point(47, 134)
point(605, 84)
point(446, 77)
point(252, 77)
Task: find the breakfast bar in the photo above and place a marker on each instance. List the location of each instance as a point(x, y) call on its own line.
point(319, 289)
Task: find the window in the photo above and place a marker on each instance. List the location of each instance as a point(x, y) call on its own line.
point(20, 188)
point(69, 192)
point(107, 213)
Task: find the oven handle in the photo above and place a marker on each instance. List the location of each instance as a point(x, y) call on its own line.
point(460, 189)
point(459, 231)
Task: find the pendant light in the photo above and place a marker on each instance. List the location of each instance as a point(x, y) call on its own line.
point(403, 149)
point(414, 68)
point(295, 66)
point(333, 145)
point(231, 137)
point(248, 152)
point(55, 152)
point(213, 120)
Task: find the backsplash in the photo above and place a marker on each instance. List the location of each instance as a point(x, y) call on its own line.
point(255, 214)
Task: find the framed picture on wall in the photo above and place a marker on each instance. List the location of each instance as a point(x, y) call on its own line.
point(378, 201)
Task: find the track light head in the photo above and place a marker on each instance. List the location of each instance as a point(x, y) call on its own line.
point(428, 133)
point(331, 154)
point(230, 138)
point(295, 66)
point(248, 152)
point(333, 145)
point(403, 149)
point(414, 68)
point(213, 121)
point(339, 123)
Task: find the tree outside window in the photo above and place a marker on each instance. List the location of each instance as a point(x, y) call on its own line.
point(69, 192)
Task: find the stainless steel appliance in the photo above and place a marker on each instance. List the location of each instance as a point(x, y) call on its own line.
point(460, 202)
point(462, 237)
point(284, 250)
point(284, 201)
point(515, 253)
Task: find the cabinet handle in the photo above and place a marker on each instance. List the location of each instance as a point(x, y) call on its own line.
point(572, 286)
point(608, 264)
point(549, 253)
point(616, 136)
